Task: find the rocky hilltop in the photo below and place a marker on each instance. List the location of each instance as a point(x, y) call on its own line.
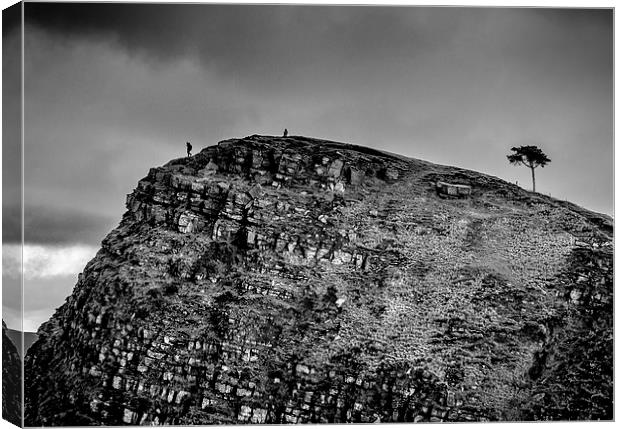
point(294, 280)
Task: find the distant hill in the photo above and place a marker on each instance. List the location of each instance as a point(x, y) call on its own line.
point(297, 280)
point(16, 337)
point(11, 380)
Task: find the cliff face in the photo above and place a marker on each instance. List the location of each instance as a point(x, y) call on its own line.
point(284, 280)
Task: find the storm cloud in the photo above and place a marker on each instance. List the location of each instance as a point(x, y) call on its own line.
point(55, 225)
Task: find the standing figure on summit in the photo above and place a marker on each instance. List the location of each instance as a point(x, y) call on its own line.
point(285, 132)
point(189, 148)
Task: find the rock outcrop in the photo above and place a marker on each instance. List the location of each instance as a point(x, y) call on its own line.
point(11, 380)
point(293, 280)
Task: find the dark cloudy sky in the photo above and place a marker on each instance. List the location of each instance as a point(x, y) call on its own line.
point(112, 90)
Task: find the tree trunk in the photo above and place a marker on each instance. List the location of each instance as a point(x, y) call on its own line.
point(533, 180)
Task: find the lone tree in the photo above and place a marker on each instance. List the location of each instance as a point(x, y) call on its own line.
point(530, 156)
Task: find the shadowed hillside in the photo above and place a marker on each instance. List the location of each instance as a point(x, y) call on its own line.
point(290, 280)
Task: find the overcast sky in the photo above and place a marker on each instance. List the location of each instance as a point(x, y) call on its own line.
point(112, 90)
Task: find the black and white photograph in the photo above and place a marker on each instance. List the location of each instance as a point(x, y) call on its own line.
point(229, 213)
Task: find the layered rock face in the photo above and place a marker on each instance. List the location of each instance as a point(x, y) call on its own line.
point(294, 280)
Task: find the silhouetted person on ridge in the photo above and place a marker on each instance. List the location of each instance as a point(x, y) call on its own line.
point(285, 132)
point(189, 148)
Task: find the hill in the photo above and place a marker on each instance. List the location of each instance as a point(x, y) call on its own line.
point(285, 280)
point(16, 338)
point(11, 380)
